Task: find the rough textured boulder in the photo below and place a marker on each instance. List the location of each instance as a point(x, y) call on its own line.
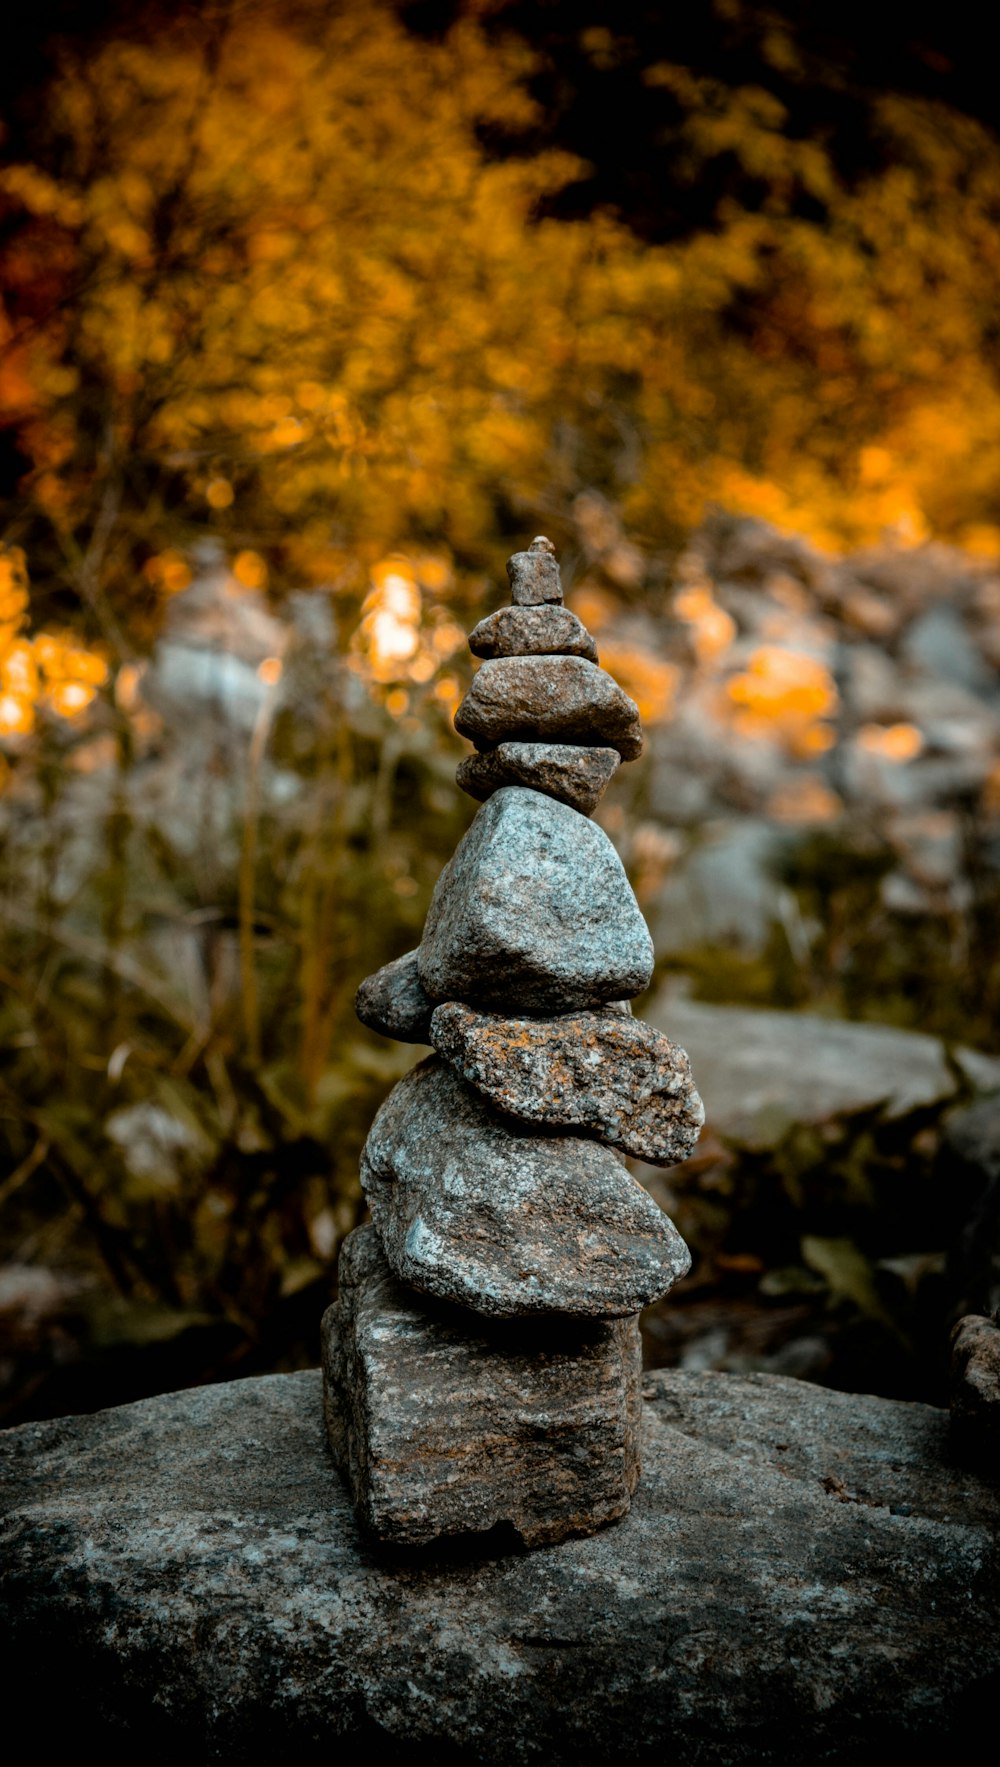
point(473, 1211)
point(476, 1426)
point(975, 1391)
point(576, 776)
point(393, 1001)
point(803, 1578)
point(594, 1072)
point(534, 912)
point(532, 631)
point(549, 699)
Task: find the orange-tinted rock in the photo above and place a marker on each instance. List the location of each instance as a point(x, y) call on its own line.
point(596, 1073)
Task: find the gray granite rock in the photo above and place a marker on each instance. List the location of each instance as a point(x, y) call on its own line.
point(975, 1391)
point(803, 1578)
point(549, 699)
point(393, 1001)
point(442, 1423)
point(759, 1072)
point(534, 913)
point(534, 574)
point(532, 631)
point(473, 1209)
point(576, 776)
point(596, 1073)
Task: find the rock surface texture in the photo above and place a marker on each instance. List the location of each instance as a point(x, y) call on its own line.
point(393, 1002)
point(576, 776)
point(596, 1072)
point(549, 699)
point(975, 1391)
point(804, 1577)
point(534, 575)
point(480, 1363)
point(480, 1212)
point(476, 1425)
point(534, 911)
point(532, 631)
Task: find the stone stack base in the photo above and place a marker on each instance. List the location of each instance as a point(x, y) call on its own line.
point(443, 1422)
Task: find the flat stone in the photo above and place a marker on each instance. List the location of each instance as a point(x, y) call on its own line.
point(600, 1074)
point(561, 699)
point(477, 1211)
point(975, 1391)
point(393, 1001)
point(442, 1424)
point(576, 776)
point(760, 1071)
point(534, 912)
point(534, 574)
point(532, 631)
point(803, 1577)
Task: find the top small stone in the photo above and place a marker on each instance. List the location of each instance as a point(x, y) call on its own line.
point(534, 575)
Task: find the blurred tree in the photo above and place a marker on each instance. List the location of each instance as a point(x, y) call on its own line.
point(265, 272)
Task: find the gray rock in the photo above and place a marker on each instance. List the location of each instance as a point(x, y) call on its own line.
point(596, 1073)
point(968, 1171)
point(561, 699)
point(534, 575)
point(760, 1072)
point(803, 1578)
point(576, 776)
point(975, 1392)
point(476, 1211)
point(532, 631)
point(442, 1424)
point(534, 912)
point(724, 889)
point(393, 1001)
point(939, 643)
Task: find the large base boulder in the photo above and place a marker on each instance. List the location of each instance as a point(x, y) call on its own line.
point(802, 1578)
point(443, 1423)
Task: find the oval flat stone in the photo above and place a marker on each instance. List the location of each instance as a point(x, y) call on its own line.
point(576, 776)
point(393, 1001)
point(534, 912)
point(608, 1076)
point(532, 631)
point(505, 1222)
point(562, 699)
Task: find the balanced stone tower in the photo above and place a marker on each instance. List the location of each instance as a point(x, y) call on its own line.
point(482, 1361)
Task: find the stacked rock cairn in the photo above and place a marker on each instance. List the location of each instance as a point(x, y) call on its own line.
point(482, 1361)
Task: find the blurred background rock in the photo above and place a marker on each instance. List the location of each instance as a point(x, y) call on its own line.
point(310, 316)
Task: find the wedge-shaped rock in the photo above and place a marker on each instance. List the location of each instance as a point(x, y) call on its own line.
point(534, 574)
point(478, 1212)
point(392, 1001)
point(595, 1072)
point(532, 631)
point(549, 699)
point(442, 1423)
point(576, 776)
point(534, 912)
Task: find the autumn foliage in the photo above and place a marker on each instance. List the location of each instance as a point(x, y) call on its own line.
point(263, 277)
